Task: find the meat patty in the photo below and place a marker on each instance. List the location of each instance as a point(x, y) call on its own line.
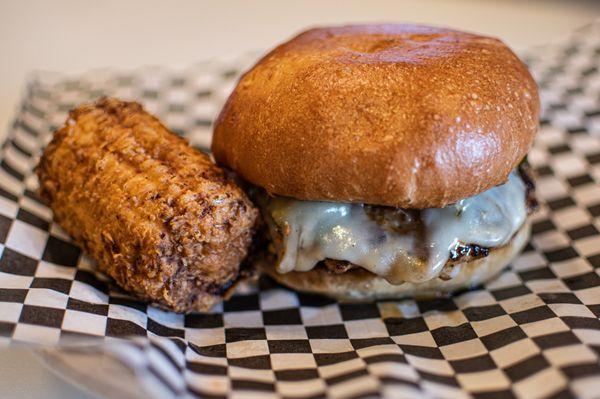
point(159, 217)
point(409, 222)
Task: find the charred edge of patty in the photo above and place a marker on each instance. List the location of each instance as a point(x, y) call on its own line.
point(527, 175)
point(401, 221)
point(337, 266)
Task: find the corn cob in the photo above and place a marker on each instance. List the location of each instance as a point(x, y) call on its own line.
point(158, 216)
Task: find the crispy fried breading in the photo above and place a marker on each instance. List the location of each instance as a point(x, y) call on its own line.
point(158, 216)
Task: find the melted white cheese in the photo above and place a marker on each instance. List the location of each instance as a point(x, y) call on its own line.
point(314, 231)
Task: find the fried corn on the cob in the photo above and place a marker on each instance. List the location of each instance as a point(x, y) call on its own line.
point(159, 217)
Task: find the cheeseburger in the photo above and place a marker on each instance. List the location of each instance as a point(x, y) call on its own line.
point(387, 160)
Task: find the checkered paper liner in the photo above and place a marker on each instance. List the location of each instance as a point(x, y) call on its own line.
point(532, 332)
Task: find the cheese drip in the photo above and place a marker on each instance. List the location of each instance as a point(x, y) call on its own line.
point(312, 231)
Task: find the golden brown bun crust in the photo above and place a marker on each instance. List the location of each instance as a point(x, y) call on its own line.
point(362, 285)
point(400, 115)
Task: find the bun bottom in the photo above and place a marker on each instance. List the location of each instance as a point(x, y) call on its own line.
point(362, 285)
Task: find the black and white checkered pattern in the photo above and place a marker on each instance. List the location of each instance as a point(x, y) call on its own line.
point(532, 332)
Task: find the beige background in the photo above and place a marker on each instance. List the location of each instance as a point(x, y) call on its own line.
point(74, 36)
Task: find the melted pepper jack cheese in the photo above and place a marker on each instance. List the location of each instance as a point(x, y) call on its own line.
point(312, 231)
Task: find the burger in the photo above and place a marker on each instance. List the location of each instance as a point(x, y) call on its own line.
point(386, 160)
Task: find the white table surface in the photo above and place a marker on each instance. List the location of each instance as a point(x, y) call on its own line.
point(73, 36)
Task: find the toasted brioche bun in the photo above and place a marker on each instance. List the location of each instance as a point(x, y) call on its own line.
point(359, 284)
point(401, 115)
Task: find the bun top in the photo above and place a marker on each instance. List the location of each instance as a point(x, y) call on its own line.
point(401, 115)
